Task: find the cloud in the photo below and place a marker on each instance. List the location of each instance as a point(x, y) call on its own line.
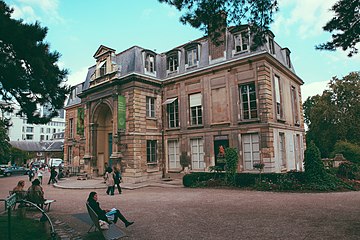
point(37, 10)
point(306, 16)
point(77, 77)
point(312, 89)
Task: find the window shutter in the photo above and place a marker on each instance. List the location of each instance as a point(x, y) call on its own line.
point(195, 100)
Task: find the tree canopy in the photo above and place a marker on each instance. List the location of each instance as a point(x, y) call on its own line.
point(345, 26)
point(334, 115)
point(4, 142)
point(208, 15)
point(29, 73)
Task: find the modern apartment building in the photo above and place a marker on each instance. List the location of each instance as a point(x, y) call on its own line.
point(140, 110)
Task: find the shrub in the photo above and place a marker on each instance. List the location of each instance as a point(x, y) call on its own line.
point(200, 178)
point(184, 160)
point(231, 164)
point(348, 170)
point(314, 168)
point(349, 150)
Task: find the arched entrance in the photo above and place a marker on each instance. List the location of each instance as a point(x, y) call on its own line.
point(103, 119)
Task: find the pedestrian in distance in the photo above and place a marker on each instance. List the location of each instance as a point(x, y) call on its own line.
point(106, 215)
point(117, 179)
point(31, 174)
point(53, 175)
point(109, 180)
point(40, 174)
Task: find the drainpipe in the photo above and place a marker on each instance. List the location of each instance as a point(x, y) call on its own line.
point(163, 134)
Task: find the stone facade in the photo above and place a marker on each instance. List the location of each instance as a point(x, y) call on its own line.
point(183, 101)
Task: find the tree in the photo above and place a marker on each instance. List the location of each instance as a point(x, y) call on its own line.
point(29, 74)
point(346, 25)
point(4, 142)
point(334, 115)
point(207, 15)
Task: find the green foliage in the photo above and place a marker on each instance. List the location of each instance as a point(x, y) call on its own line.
point(184, 160)
point(19, 156)
point(4, 142)
point(29, 73)
point(231, 164)
point(200, 179)
point(349, 150)
point(349, 170)
point(314, 168)
point(333, 116)
point(346, 26)
point(208, 16)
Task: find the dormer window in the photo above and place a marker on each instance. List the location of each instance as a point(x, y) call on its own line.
point(242, 41)
point(102, 68)
point(192, 57)
point(150, 63)
point(288, 62)
point(172, 62)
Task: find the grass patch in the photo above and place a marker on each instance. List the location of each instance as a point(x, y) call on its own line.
point(22, 228)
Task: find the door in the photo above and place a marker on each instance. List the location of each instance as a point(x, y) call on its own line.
point(220, 144)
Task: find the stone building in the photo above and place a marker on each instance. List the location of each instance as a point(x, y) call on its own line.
point(140, 110)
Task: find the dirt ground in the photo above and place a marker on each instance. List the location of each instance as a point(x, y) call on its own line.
point(183, 213)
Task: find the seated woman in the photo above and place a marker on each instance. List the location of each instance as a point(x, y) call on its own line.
point(35, 193)
point(105, 215)
point(20, 191)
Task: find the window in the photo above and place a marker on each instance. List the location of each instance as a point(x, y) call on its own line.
point(251, 150)
point(174, 158)
point(248, 101)
point(191, 57)
point(172, 63)
point(42, 137)
point(54, 130)
point(150, 107)
point(173, 112)
point(282, 150)
point(47, 137)
point(48, 130)
point(294, 104)
point(29, 137)
point(102, 68)
point(71, 127)
point(288, 61)
point(70, 155)
point(151, 155)
point(197, 153)
point(242, 41)
point(42, 130)
point(195, 109)
point(149, 63)
point(278, 97)
point(271, 45)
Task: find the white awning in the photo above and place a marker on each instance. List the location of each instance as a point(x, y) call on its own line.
point(101, 64)
point(170, 100)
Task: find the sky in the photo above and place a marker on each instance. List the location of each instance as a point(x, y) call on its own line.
point(76, 29)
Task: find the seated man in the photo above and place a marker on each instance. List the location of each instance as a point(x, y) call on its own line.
point(35, 193)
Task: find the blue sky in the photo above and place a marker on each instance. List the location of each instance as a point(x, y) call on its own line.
point(78, 27)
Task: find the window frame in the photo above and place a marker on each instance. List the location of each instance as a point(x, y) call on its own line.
point(195, 109)
point(102, 68)
point(150, 107)
point(248, 102)
point(193, 51)
point(172, 62)
point(282, 150)
point(239, 38)
point(149, 63)
point(71, 128)
point(151, 151)
point(278, 97)
point(173, 111)
point(295, 105)
point(252, 152)
point(174, 144)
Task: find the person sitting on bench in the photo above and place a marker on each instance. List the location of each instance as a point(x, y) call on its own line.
point(35, 193)
point(106, 215)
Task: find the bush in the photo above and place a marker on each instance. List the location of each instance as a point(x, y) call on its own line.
point(199, 179)
point(348, 170)
point(314, 168)
point(231, 164)
point(349, 150)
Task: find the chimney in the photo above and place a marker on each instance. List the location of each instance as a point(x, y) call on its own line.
point(217, 37)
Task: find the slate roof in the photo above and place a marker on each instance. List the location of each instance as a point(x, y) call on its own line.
point(32, 146)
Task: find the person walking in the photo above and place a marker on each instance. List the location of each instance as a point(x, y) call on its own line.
point(117, 179)
point(109, 180)
point(106, 215)
point(31, 174)
point(40, 175)
point(53, 174)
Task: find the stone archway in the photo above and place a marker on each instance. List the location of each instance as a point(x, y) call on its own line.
point(103, 119)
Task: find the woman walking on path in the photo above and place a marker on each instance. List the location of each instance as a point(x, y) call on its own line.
point(117, 179)
point(106, 215)
point(53, 174)
point(109, 180)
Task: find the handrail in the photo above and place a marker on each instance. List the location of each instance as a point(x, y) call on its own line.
point(52, 229)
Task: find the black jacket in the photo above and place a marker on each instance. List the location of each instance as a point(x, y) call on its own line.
point(96, 207)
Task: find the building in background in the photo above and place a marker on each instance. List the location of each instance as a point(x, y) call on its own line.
point(23, 131)
point(140, 110)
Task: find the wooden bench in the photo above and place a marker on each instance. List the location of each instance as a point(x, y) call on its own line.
point(22, 196)
point(47, 204)
point(114, 232)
